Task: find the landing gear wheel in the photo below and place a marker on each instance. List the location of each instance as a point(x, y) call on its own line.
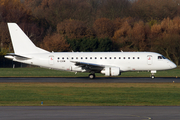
point(153, 73)
point(152, 76)
point(92, 76)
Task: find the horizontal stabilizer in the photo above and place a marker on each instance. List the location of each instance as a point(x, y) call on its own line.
point(12, 55)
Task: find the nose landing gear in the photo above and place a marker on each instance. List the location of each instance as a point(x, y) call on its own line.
point(152, 76)
point(153, 73)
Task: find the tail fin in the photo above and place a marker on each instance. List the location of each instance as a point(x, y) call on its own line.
point(20, 41)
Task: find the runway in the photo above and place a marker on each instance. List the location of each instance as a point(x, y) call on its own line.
point(90, 113)
point(87, 80)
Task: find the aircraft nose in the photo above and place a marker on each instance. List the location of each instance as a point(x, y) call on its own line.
point(172, 65)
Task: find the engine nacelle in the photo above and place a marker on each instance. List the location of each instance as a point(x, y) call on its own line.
point(111, 71)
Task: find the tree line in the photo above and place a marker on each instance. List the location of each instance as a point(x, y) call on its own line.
point(95, 25)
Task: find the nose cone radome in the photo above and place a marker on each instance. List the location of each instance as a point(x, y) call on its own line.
point(172, 65)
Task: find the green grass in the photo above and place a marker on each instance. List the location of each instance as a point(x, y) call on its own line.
point(87, 94)
point(41, 72)
point(90, 94)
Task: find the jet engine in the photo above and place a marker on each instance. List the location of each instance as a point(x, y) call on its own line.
point(111, 71)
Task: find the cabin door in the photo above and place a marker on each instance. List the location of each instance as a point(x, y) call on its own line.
point(149, 59)
point(51, 60)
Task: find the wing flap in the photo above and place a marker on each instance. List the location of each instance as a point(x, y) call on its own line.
point(89, 66)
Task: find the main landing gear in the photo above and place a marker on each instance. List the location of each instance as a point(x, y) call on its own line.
point(92, 76)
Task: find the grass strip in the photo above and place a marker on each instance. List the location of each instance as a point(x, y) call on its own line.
point(90, 94)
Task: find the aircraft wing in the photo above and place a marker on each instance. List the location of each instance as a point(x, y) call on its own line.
point(89, 66)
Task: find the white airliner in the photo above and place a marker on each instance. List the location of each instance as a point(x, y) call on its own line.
point(108, 63)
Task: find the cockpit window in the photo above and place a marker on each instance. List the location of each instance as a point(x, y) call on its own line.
point(161, 57)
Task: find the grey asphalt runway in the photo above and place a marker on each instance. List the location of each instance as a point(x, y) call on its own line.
point(97, 80)
point(90, 113)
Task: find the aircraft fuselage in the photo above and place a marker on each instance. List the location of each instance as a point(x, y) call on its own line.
point(126, 61)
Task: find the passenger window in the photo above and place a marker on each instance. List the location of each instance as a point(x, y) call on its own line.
point(86, 58)
point(119, 57)
point(138, 58)
point(95, 57)
point(133, 57)
point(124, 57)
point(90, 57)
point(114, 57)
point(100, 57)
point(105, 57)
point(109, 57)
point(72, 58)
point(81, 57)
point(63, 58)
point(76, 57)
point(67, 58)
point(128, 57)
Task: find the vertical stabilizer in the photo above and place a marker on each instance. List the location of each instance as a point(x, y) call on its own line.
point(20, 41)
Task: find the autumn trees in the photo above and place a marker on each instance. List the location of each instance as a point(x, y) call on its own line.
point(147, 10)
point(162, 37)
point(96, 25)
point(11, 11)
point(55, 42)
point(166, 38)
point(74, 29)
